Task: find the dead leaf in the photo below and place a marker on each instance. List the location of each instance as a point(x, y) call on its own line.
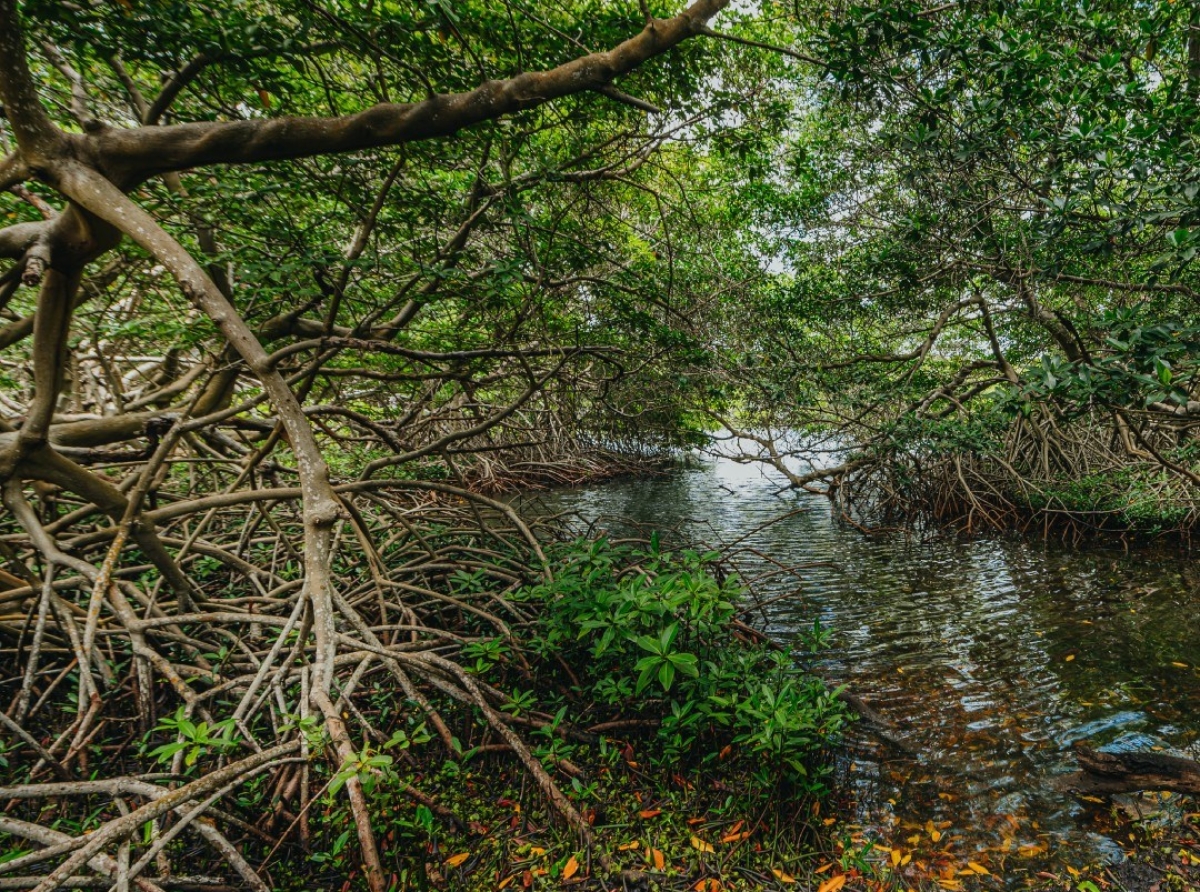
point(658, 858)
point(978, 868)
point(832, 884)
point(785, 878)
point(571, 868)
point(648, 813)
point(701, 846)
point(455, 860)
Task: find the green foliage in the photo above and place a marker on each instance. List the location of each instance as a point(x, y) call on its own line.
point(194, 739)
point(979, 434)
point(652, 630)
point(1144, 500)
point(1141, 365)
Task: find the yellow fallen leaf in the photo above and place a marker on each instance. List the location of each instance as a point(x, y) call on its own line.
point(823, 868)
point(935, 835)
point(455, 860)
point(832, 884)
point(783, 877)
point(628, 846)
point(701, 846)
point(570, 869)
point(1070, 657)
point(1180, 665)
point(978, 868)
point(658, 858)
point(508, 879)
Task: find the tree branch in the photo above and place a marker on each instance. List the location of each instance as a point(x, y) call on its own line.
point(148, 152)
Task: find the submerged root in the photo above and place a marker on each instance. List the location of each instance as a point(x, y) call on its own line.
point(1072, 480)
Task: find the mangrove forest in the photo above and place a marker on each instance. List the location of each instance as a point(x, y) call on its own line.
point(600, 444)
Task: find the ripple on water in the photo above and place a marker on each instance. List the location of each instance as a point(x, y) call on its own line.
point(991, 656)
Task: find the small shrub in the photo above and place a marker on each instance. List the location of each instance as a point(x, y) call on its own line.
point(650, 633)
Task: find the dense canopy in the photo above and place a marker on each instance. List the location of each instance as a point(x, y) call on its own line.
point(294, 290)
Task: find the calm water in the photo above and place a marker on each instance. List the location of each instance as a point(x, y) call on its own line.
point(990, 657)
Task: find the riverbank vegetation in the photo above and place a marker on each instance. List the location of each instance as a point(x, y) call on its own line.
point(295, 291)
point(988, 222)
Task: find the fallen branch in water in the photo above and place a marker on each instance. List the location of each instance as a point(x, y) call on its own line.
point(1129, 772)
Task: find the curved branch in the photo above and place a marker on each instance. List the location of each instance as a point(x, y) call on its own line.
point(96, 194)
point(150, 151)
point(36, 134)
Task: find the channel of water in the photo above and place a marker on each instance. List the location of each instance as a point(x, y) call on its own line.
point(991, 656)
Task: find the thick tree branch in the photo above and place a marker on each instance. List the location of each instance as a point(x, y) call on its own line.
point(36, 134)
point(147, 152)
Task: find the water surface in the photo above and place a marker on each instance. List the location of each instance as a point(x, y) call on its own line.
point(989, 656)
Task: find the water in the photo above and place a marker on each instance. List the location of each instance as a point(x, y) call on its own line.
point(991, 657)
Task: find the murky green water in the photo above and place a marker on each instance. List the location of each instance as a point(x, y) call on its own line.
point(990, 657)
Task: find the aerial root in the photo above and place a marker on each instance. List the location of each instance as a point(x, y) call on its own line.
point(245, 656)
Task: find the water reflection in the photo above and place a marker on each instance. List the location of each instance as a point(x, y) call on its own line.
point(991, 657)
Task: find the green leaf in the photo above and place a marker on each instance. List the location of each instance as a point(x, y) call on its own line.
point(646, 642)
point(666, 674)
point(645, 678)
